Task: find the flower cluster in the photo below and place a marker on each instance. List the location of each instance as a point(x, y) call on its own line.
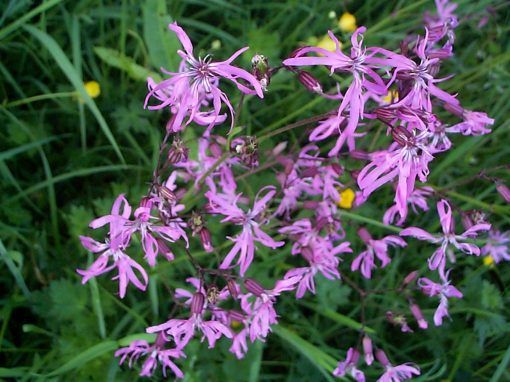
point(304, 208)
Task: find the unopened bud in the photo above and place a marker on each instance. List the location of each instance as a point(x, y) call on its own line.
point(197, 303)
point(504, 191)
point(309, 82)
point(367, 350)
point(253, 287)
point(382, 358)
point(416, 311)
point(410, 278)
point(233, 288)
point(364, 234)
point(205, 239)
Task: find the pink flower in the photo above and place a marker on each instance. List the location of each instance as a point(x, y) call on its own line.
point(244, 243)
point(114, 249)
point(417, 200)
point(444, 291)
point(361, 65)
point(261, 310)
point(497, 246)
point(182, 330)
point(348, 367)
point(154, 354)
point(407, 159)
point(395, 373)
point(375, 248)
point(318, 251)
point(438, 258)
point(197, 84)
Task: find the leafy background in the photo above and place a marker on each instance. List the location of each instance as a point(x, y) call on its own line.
point(65, 156)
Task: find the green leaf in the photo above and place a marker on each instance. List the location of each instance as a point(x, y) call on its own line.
point(67, 67)
point(85, 357)
point(118, 60)
point(161, 42)
point(34, 12)
point(324, 362)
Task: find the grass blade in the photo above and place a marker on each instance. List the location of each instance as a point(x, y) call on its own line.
point(73, 77)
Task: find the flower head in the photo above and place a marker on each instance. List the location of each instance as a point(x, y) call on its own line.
point(196, 86)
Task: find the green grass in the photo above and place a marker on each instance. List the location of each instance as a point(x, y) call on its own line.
point(65, 156)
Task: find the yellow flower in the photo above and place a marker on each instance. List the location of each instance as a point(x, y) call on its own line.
point(347, 22)
point(347, 197)
point(488, 261)
point(391, 97)
point(93, 89)
point(327, 44)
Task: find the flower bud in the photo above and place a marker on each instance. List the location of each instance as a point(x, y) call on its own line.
point(382, 358)
point(364, 234)
point(309, 82)
point(233, 288)
point(410, 278)
point(205, 239)
point(504, 191)
point(416, 311)
point(164, 250)
point(253, 287)
point(197, 303)
point(367, 350)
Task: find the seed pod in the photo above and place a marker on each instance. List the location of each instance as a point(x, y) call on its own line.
point(178, 152)
point(212, 294)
